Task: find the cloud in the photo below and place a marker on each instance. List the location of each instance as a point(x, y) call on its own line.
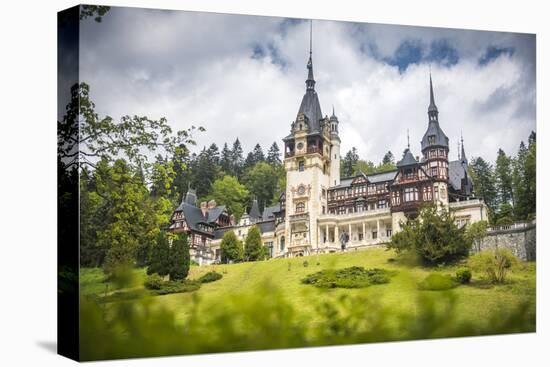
point(243, 76)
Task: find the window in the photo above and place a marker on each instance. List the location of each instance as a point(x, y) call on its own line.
point(431, 139)
point(388, 233)
point(360, 236)
point(301, 166)
point(374, 235)
point(381, 204)
point(396, 198)
point(410, 194)
point(300, 207)
point(282, 244)
point(427, 193)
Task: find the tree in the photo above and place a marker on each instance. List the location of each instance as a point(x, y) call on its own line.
point(253, 247)
point(433, 235)
point(225, 160)
point(160, 256)
point(273, 155)
point(349, 162)
point(484, 184)
point(237, 158)
point(229, 192)
point(204, 171)
point(179, 258)
point(503, 178)
point(388, 158)
point(93, 138)
point(262, 182)
point(476, 233)
point(521, 186)
point(367, 167)
point(123, 196)
point(231, 248)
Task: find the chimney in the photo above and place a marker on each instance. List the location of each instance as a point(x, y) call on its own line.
point(204, 208)
point(211, 204)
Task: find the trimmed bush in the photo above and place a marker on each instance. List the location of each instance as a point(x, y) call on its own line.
point(178, 287)
point(463, 275)
point(353, 277)
point(153, 281)
point(209, 277)
point(437, 282)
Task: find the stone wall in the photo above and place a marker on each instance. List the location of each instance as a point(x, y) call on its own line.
point(520, 238)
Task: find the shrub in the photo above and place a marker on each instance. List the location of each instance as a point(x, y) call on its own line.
point(463, 275)
point(433, 235)
point(209, 277)
point(437, 282)
point(160, 256)
point(153, 281)
point(253, 247)
point(494, 263)
point(306, 264)
point(231, 248)
point(353, 277)
point(178, 287)
point(179, 258)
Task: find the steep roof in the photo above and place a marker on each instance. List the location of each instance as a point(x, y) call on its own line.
point(372, 178)
point(254, 213)
point(407, 160)
point(269, 212)
point(440, 139)
point(193, 215)
point(458, 170)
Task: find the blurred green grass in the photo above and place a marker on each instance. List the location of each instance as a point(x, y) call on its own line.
point(474, 306)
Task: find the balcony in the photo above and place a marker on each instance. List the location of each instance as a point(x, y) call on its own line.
point(298, 217)
point(289, 154)
point(363, 214)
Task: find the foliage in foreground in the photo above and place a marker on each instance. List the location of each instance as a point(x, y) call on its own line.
point(352, 277)
point(433, 235)
point(209, 277)
point(494, 263)
point(142, 329)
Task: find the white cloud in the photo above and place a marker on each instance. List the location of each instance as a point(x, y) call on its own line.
point(196, 68)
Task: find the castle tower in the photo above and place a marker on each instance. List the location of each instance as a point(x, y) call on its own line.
point(334, 150)
point(435, 149)
point(308, 162)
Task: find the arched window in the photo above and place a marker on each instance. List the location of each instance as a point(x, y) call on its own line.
point(300, 207)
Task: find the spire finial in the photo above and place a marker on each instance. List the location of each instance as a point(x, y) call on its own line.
point(462, 153)
point(333, 114)
point(432, 108)
point(310, 82)
point(408, 141)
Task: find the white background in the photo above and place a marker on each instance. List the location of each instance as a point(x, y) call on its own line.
point(28, 181)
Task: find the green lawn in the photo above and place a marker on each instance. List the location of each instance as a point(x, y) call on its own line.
point(477, 305)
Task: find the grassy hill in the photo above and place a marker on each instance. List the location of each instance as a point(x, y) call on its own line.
point(265, 288)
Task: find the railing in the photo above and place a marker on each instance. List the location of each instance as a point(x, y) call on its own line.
point(313, 150)
point(298, 217)
point(356, 214)
point(465, 203)
point(289, 154)
point(405, 179)
point(512, 227)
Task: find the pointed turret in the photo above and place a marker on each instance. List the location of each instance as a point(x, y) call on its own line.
point(254, 213)
point(462, 152)
point(310, 106)
point(434, 136)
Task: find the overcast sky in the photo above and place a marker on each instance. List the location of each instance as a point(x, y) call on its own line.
point(244, 76)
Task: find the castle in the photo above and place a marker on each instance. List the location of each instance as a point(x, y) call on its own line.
point(320, 211)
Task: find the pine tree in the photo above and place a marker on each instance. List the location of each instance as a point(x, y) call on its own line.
point(160, 257)
point(258, 154)
point(214, 153)
point(179, 258)
point(204, 171)
point(520, 183)
point(484, 184)
point(531, 174)
point(253, 247)
point(503, 178)
point(231, 248)
point(225, 160)
point(273, 155)
point(237, 158)
point(349, 162)
point(388, 158)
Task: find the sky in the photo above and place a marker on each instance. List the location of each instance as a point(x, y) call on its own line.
point(244, 76)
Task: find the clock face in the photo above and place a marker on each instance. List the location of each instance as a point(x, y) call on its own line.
point(300, 146)
point(301, 190)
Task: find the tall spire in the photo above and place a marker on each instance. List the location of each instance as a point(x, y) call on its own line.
point(462, 153)
point(433, 107)
point(310, 82)
point(408, 141)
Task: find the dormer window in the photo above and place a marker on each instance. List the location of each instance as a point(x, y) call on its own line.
point(431, 139)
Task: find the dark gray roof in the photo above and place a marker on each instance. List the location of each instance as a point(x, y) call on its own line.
point(432, 107)
point(373, 178)
point(254, 213)
point(440, 138)
point(458, 170)
point(191, 197)
point(193, 215)
point(267, 226)
point(218, 233)
point(407, 160)
point(311, 108)
point(269, 212)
